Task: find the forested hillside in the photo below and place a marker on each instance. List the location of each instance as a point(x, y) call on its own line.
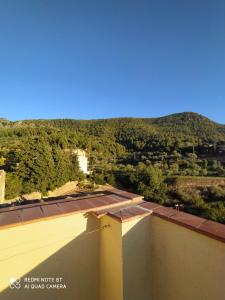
point(141, 154)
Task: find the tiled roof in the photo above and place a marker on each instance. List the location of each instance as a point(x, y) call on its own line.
point(125, 213)
point(118, 204)
point(212, 229)
point(23, 214)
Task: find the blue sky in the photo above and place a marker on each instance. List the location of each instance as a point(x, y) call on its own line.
point(106, 58)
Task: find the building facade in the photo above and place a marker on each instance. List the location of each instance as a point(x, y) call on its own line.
point(109, 246)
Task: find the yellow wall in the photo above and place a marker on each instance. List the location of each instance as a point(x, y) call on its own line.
point(157, 260)
point(60, 247)
point(185, 264)
point(124, 259)
point(111, 264)
point(146, 258)
point(2, 186)
point(136, 258)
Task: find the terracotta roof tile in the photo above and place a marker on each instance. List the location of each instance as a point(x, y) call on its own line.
point(10, 217)
point(213, 229)
point(115, 198)
point(209, 228)
point(125, 193)
point(164, 212)
point(68, 207)
point(121, 205)
point(61, 206)
point(150, 205)
point(127, 213)
point(187, 220)
point(50, 210)
point(31, 213)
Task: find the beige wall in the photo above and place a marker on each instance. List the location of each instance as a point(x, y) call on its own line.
point(146, 258)
point(136, 259)
point(158, 260)
point(61, 247)
point(185, 264)
point(111, 264)
point(124, 259)
point(2, 186)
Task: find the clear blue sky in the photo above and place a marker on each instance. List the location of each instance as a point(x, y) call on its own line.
point(95, 59)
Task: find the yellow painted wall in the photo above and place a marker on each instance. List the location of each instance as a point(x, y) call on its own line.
point(158, 260)
point(146, 258)
point(60, 247)
point(111, 278)
point(124, 259)
point(136, 259)
point(185, 265)
point(2, 186)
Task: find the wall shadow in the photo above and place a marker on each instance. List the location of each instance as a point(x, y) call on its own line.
point(77, 263)
point(137, 261)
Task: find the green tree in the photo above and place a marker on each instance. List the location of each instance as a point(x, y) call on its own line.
point(13, 186)
point(149, 182)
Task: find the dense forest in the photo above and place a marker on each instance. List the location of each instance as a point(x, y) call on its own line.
point(145, 155)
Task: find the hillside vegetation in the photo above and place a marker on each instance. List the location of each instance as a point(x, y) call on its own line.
point(139, 154)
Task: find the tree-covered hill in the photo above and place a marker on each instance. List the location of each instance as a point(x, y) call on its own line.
point(135, 153)
point(192, 124)
point(185, 124)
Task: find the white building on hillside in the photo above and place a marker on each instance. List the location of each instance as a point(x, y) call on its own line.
point(82, 160)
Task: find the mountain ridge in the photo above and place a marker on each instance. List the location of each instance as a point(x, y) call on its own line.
point(179, 128)
point(189, 124)
point(173, 115)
